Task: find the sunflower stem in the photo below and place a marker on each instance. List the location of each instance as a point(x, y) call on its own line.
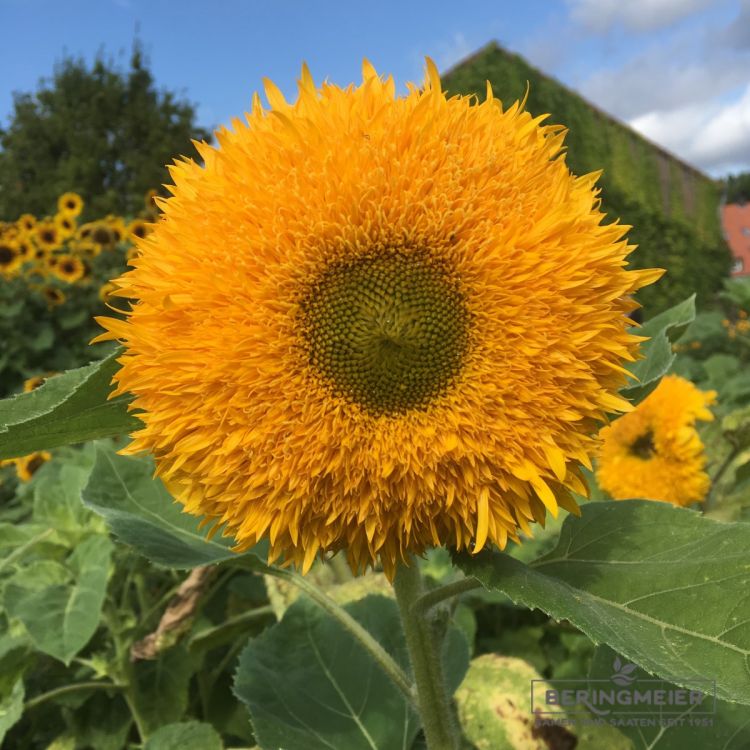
point(386, 662)
point(726, 463)
point(425, 651)
point(427, 601)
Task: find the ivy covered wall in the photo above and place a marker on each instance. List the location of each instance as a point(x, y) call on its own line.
point(672, 207)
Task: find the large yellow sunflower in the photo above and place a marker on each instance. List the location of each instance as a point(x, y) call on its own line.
point(655, 452)
point(377, 323)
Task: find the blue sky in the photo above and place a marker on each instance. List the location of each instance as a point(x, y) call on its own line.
point(677, 70)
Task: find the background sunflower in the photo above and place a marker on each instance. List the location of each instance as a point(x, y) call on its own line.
point(655, 451)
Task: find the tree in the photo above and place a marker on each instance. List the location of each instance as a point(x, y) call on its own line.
point(102, 132)
point(738, 188)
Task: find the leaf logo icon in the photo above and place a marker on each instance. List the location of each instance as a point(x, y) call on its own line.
point(622, 672)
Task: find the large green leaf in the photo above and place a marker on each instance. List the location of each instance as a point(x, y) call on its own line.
point(11, 708)
point(657, 352)
point(140, 512)
point(190, 735)
point(161, 688)
point(664, 586)
point(711, 724)
point(69, 408)
point(62, 618)
point(309, 685)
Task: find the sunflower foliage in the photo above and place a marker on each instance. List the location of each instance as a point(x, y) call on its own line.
point(189, 589)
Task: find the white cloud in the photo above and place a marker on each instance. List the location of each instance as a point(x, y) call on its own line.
point(662, 79)
point(714, 137)
point(636, 15)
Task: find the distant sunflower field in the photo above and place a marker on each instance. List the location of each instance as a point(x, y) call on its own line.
point(352, 443)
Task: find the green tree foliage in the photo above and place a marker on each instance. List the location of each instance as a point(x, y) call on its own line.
point(100, 131)
point(738, 188)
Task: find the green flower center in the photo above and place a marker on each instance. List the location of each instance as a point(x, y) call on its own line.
point(388, 330)
point(644, 447)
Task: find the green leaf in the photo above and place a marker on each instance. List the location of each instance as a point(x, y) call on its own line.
point(657, 353)
point(140, 512)
point(103, 722)
point(191, 735)
point(726, 727)
point(309, 685)
point(62, 618)
point(57, 501)
point(161, 688)
point(11, 708)
point(69, 408)
point(664, 586)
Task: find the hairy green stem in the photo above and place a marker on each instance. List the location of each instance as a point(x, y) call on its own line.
point(246, 617)
point(386, 662)
point(425, 652)
point(427, 601)
point(67, 689)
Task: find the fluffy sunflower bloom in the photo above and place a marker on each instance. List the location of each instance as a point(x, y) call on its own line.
point(655, 451)
point(69, 269)
point(70, 204)
point(377, 323)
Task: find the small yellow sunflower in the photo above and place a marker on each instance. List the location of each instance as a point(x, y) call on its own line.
point(655, 452)
point(26, 249)
point(138, 229)
point(107, 290)
point(34, 382)
point(10, 257)
point(69, 269)
point(377, 323)
point(70, 204)
point(47, 235)
point(149, 200)
point(27, 466)
point(53, 295)
point(86, 248)
point(66, 225)
point(85, 230)
point(117, 227)
point(26, 223)
point(101, 235)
